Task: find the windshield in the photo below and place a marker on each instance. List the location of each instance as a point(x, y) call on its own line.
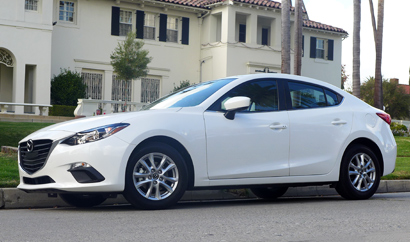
point(190, 96)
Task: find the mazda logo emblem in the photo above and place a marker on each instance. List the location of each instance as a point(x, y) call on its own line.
point(30, 145)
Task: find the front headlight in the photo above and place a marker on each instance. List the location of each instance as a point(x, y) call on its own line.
point(95, 134)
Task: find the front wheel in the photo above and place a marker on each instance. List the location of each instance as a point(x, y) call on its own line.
point(83, 200)
point(359, 173)
point(156, 177)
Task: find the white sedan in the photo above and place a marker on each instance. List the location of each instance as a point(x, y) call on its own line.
point(266, 132)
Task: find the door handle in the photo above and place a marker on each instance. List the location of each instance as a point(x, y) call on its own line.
point(339, 122)
point(278, 126)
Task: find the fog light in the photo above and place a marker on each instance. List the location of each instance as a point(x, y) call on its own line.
point(79, 164)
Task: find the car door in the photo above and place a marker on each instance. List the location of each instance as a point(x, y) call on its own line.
point(319, 125)
point(256, 142)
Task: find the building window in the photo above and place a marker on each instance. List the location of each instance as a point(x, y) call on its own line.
point(149, 26)
point(242, 33)
point(320, 48)
point(93, 81)
point(125, 22)
point(265, 36)
point(149, 90)
point(172, 29)
point(31, 5)
point(66, 11)
point(121, 90)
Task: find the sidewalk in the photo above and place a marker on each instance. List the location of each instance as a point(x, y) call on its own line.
point(13, 198)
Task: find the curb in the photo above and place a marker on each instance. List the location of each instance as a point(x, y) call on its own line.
point(12, 198)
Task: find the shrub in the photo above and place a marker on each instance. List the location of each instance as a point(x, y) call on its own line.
point(62, 110)
point(399, 129)
point(66, 88)
point(182, 84)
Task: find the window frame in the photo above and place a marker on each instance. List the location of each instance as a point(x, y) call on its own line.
point(322, 50)
point(176, 30)
point(154, 26)
point(32, 3)
point(74, 12)
point(289, 98)
point(130, 23)
point(280, 94)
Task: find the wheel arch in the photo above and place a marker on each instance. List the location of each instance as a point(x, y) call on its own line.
point(371, 145)
point(179, 147)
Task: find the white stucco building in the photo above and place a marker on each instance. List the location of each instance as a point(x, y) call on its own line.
point(195, 40)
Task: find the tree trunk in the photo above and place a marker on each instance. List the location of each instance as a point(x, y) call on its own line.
point(285, 67)
point(378, 39)
point(356, 47)
point(298, 38)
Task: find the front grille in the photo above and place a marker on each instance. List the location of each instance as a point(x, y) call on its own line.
point(34, 159)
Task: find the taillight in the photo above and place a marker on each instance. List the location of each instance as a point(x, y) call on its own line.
point(386, 117)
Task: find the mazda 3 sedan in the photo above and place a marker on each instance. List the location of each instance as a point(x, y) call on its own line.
point(266, 132)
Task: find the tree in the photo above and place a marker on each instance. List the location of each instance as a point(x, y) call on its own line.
point(129, 60)
point(285, 66)
point(356, 47)
point(378, 40)
point(66, 88)
point(298, 37)
point(344, 77)
point(396, 101)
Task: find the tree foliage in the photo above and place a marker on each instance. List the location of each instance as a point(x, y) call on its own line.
point(396, 101)
point(344, 77)
point(129, 60)
point(66, 88)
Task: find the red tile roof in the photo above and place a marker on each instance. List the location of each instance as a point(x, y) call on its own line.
point(265, 3)
point(316, 25)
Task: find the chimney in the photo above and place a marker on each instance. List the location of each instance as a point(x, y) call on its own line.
point(394, 80)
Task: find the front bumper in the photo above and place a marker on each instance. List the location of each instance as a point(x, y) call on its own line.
point(107, 159)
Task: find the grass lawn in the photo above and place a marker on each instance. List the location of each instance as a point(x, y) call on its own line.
point(9, 173)
point(12, 133)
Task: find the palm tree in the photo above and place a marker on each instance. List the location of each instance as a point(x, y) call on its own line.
point(298, 37)
point(356, 47)
point(378, 40)
point(285, 67)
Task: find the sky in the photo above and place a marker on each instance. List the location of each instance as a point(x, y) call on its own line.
point(396, 35)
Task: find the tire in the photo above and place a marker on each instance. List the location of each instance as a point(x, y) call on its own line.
point(83, 200)
point(359, 174)
point(269, 193)
point(156, 177)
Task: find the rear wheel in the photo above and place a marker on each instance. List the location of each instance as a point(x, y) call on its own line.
point(269, 193)
point(83, 200)
point(359, 173)
point(156, 177)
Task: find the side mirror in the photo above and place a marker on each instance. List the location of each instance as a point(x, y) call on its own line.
point(234, 105)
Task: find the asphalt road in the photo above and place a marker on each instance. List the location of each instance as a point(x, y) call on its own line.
point(385, 217)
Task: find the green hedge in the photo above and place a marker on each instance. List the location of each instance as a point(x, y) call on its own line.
point(61, 110)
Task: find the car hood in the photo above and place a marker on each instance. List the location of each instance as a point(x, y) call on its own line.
point(64, 129)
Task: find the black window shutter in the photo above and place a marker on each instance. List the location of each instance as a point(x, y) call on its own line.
point(303, 45)
point(115, 21)
point(312, 47)
point(330, 49)
point(242, 33)
point(265, 36)
point(140, 24)
point(163, 27)
point(185, 31)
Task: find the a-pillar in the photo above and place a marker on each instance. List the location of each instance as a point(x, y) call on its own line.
point(19, 75)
